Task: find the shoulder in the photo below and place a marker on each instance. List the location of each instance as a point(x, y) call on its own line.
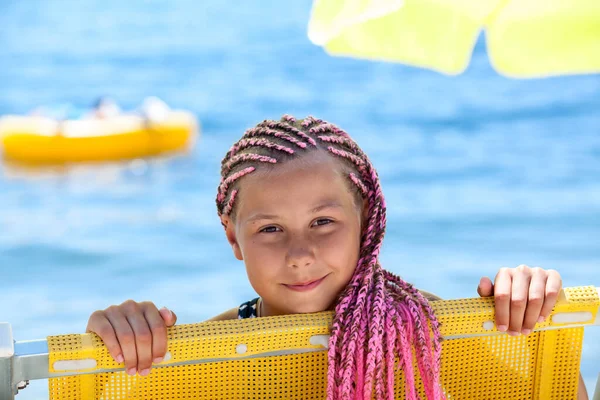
point(227, 315)
point(245, 310)
point(233, 313)
point(429, 296)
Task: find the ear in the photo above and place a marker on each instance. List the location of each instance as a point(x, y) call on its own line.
point(230, 233)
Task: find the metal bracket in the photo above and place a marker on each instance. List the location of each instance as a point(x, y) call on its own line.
point(7, 353)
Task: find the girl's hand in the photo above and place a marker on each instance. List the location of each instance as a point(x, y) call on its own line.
point(523, 296)
point(134, 333)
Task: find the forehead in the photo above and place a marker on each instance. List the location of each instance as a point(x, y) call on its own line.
point(297, 183)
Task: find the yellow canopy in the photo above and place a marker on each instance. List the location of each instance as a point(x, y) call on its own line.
point(525, 39)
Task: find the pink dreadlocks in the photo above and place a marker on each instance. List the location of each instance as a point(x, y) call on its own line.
point(378, 317)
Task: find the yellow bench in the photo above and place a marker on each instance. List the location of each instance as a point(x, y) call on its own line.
point(285, 357)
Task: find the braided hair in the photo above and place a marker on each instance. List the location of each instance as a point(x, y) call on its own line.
point(378, 316)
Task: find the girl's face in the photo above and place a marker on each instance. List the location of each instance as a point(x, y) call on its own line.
point(297, 228)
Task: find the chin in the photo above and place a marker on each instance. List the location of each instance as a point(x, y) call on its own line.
point(308, 309)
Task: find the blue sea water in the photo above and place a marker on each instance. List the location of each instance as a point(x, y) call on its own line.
point(479, 171)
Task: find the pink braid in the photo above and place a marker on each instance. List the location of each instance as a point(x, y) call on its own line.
point(378, 316)
point(245, 143)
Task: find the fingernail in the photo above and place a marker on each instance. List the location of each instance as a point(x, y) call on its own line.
point(119, 358)
point(167, 310)
point(513, 333)
point(526, 331)
point(131, 371)
point(541, 319)
point(502, 328)
point(144, 372)
point(157, 360)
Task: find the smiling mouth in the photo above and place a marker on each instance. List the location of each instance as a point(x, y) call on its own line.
point(304, 286)
point(305, 283)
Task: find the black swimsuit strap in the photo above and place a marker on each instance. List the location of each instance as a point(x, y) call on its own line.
point(248, 309)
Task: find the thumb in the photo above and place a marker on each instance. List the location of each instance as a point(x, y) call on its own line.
point(485, 288)
point(168, 316)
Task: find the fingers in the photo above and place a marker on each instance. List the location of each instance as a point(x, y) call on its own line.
point(523, 296)
point(553, 287)
point(159, 333)
point(134, 333)
point(101, 326)
point(125, 336)
point(536, 296)
point(519, 298)
point(502, 297)
point(485, 288)
point(168, 316)
point(143, 338)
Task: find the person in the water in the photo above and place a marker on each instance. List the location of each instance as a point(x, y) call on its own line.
point(302, 207)
point(103, 108)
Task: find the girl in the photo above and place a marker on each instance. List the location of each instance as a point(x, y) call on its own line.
point(301, 205)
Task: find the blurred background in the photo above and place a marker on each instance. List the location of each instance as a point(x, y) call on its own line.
point(479, 171)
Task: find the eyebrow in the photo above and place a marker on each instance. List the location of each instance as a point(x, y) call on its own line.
point(321, 207)
point(328, 204)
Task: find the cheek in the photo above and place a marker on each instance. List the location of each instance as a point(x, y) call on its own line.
point(261, 260)
point(341, 251)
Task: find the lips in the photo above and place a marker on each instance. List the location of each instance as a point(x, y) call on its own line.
point(305, 283)
point(304, 286)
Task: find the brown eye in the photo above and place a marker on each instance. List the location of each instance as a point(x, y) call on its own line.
point(323, 221)
point(269, 229)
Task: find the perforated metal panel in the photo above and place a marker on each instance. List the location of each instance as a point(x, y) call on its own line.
point(543, 365)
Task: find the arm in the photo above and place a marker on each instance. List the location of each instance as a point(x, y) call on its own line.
point(582, 392)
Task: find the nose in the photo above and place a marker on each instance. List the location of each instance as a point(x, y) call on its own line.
point(300, 254)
